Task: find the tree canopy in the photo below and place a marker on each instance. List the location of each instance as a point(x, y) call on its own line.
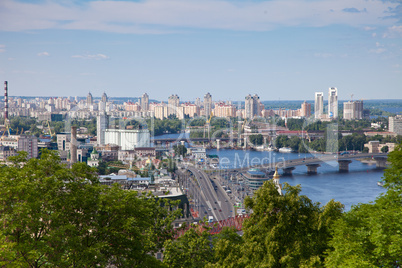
point(53, 216)
point(370, 235)
point(286, 230)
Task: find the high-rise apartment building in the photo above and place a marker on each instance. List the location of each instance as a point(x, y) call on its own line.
point(318, 104)
point(104, 97)
point(90, 99)
point(252, 106)
point(198, 102)
point(224, 110)
point(173, 103)
point(248, 107)
point(256, 105)
point(145, 102)
point(28, 144)
point(102, 123)
point(305, 110)
point(395, 124)
point(353, 110)
point(207, 105)
point(333, 103)
point(190, 109)
point(160, 110)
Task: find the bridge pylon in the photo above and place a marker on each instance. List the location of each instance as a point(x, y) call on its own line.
point(288, 171)
point(380, 162)
point(312, 168)
point(344, 165)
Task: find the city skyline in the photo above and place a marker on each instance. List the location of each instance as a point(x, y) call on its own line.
point(279, 50)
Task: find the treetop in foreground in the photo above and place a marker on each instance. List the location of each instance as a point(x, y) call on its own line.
point(53, 216)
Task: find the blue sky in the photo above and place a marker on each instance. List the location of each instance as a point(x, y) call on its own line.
point(278, 49)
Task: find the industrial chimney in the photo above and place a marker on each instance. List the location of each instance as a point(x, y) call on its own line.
point(5, 102)
point(73, 145)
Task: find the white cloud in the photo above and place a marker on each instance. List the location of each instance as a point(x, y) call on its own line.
point(41, 54)
point(392, 32)
point(379, 48)
point(367, 28)
point(161, 16)
point(2, 48)
point(91, 57)
point(323, 55)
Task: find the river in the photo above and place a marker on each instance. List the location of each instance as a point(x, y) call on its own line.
point(359, 185)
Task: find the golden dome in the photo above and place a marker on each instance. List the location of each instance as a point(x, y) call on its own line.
point(276, 174)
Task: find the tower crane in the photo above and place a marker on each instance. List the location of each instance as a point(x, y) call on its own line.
point(50, 130)
point(208, 125)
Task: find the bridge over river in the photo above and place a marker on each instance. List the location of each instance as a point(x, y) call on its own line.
point(314, 162)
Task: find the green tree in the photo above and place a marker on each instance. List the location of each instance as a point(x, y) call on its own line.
point(281, 141)
point(180, 150)
point(191, 250)
point(256, 139)
point(227, 247)
point(384, 149)
point(370, 235)
point(53, 216)
point(286, 230)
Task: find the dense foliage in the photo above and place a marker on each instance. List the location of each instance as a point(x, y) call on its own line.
point(256, 139)
point(286, 230)
point(180, 150)
point(52, 216)
point(370, 235)
point(159, 127)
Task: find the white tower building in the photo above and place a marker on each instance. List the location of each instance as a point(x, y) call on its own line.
point(333, 103)
point(318, 105)
point(102, 124)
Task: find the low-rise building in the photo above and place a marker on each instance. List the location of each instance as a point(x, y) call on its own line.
point(198, 153)
point(375, 147)
point(255, 178)
point(6, 152)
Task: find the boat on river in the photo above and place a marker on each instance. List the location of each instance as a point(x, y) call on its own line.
point(285, 150)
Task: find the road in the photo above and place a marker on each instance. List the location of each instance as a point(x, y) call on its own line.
point(216, 202)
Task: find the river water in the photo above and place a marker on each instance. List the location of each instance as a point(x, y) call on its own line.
point(359, 185)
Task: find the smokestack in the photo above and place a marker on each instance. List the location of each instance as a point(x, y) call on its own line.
point(5, 101)
point(73, 145)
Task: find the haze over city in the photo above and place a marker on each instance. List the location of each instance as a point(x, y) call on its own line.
point(276, 49)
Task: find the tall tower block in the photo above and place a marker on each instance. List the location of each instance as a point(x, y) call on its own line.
point(333, 103)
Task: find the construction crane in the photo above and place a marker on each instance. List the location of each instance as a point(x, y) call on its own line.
point(7, 126)
point(50, 130)
point(208, 125)
point(245, 122)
